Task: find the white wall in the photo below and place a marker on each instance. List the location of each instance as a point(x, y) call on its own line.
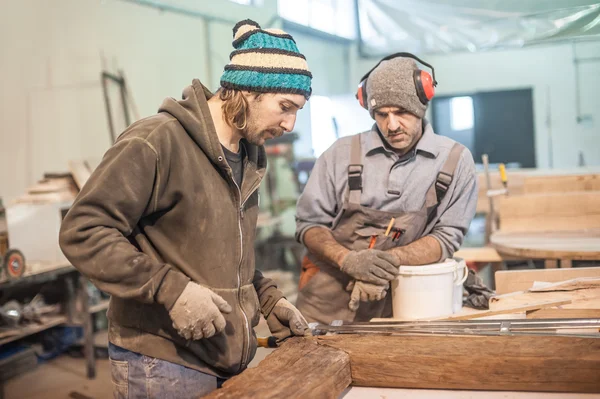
point(51, 101)
point(550, 71)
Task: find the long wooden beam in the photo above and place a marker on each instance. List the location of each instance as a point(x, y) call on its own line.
point(504, 363)
point(300, 368)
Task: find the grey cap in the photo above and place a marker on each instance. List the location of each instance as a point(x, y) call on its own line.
point(391, 84)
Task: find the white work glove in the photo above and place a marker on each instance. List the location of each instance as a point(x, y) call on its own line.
point(286, 320)
point(363, 291)
point(197, 313)
point(371, 265)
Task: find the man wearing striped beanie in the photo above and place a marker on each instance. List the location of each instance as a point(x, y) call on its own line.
point(166, 225)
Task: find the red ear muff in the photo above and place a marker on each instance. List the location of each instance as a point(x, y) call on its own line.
point(425, 86)
point(361, 94)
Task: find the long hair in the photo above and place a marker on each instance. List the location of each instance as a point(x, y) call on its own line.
point(235, 107)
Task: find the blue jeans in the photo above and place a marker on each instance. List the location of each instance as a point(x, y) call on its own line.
point(136, 376)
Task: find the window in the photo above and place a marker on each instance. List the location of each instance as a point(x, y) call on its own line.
point(461, 109)
point(322, 122)
point(331, 16)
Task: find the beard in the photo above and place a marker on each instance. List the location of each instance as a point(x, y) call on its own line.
point(257, 135)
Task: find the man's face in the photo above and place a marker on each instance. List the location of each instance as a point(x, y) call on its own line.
point(270, 115)
point(400, 128)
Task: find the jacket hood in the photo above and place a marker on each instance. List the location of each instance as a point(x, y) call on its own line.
point(193, 114)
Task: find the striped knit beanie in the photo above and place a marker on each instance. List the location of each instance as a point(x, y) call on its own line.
point(266, 61)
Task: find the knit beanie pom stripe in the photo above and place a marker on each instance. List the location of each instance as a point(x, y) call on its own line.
point(261, 40)
point(269, 61)
point(253, 80)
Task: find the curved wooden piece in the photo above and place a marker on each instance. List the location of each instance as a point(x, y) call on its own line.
point(576, 245)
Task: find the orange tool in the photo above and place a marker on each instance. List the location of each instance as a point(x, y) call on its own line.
point(372, 242)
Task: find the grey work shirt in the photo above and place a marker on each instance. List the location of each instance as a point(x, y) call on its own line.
point(393, 184)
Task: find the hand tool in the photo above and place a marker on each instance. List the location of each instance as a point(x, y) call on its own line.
point(267, 342)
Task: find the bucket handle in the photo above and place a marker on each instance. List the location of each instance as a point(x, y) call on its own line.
point(465, 273)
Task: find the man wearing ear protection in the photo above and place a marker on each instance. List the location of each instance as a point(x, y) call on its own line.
point(398, 178)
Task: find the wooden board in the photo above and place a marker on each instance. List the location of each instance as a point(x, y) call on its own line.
point(505, 363)
point(521, 280)
point(577, 244)
point(580, 299)
point(482, 254)
point(561, 184)
point(564, 314)
point(550, 212)
point(300, 368)
point(507, 310)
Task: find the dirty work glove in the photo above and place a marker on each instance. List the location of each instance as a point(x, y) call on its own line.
point(364, 292)
point(197, 313)
point(285, 320)
point(371, 265)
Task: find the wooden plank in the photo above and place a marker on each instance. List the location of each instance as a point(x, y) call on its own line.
point(300, 368)
point(507, 310)
point(566, 263)
point(481, 254)
point(564, 314)
point(549, 212)
point(580, 299)
point(550, 263)
point(504, 363)
point(521, 280)
point(561, 184)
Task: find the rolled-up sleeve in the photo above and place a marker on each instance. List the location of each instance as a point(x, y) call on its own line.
point(317, 205)
point(457, 208)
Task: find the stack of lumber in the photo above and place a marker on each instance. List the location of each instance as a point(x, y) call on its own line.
point(580, 287)
point(52, 188)
point(537, 181)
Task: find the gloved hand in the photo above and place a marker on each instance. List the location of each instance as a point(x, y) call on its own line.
point(197, 313)
point(371, 265)
point(285, 320)
point(364, 292)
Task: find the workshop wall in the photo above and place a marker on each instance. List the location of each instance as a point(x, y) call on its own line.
point(551, 71)
point(52, 105)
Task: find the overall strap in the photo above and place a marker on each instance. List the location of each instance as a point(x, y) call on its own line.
point(446, 174)
point(355, 169)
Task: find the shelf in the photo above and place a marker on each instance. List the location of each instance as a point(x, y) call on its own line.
point(37, 273)
point(100, 306)
point(10, 335)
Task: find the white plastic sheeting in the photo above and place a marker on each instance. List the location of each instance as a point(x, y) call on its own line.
point(444, 26)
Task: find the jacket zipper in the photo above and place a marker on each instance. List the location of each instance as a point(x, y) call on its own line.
point(246, 346)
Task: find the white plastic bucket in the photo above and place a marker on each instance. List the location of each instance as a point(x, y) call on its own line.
point(423, 292)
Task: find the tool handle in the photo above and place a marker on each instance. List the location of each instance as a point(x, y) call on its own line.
point(373, 241)
point(503, 177)
point(267, 342)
